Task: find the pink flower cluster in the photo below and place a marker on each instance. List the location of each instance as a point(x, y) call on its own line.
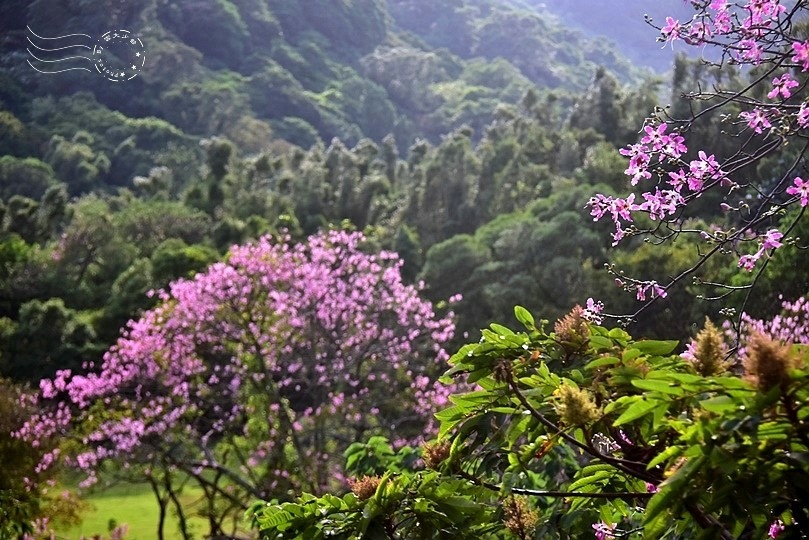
point(273, 345)
point(791, 326)
point(770, 241)
point(658, 204)
point(604, 531)
point(747, 32)
point(721, 19)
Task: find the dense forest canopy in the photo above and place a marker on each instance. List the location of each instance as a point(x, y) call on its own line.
point(465, 143)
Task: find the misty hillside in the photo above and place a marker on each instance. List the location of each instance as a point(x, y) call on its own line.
point(623, 23)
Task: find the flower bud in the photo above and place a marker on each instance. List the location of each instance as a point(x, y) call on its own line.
point(519, 518)
point(365, 487)
point(575, 407)
point(768, 362)
point(434, 453)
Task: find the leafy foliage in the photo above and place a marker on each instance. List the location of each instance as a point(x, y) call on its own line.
point(592, 427)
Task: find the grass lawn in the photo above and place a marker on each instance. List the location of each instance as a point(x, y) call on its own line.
point(134, 505)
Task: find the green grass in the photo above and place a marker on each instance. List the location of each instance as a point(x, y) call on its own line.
point(136, 506)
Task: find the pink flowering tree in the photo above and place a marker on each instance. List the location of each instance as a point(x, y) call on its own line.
point(753, 177)
point(252, 378)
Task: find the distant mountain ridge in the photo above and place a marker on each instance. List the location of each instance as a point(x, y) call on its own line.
point(624, 23)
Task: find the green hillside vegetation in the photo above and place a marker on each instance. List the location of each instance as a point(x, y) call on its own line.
point(305, 70)
point(496, 214)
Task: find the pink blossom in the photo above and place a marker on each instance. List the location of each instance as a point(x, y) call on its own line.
point(705, 166)
point(599, 205)
point(279, 324)
point(618, 235)
point(772, 240)
point(756, 119)
point(722, 21)
point(621, 208)
point(661, 203)
point(801, 54)
point(699, 33)
point(801, 189)
point(748, 262)
point(592, 311)
point(751, 50)
point(803, 116)
point(654, 136)
point(674, 146)
point(678, 179)
point(782, 85)
point(604, 531)
point(639, 159)
point(672, 30)
point(652, 288)
point(776, 528)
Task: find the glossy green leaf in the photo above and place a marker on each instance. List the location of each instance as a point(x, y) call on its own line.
point(524, 316)
point(656, 385)
point(601, 362)
point(600, 342)
point(656, 348)
point(719, 404)
point(637, 410)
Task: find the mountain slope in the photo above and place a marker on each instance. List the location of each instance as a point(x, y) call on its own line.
point(314, 69)
point(623, 22)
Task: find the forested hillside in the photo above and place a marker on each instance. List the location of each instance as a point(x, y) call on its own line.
point(423, 120)
point(423, 123)
point(291, 192)
point(300, 71)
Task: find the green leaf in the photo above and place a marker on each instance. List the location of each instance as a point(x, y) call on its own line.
point(600, 362)
point(599, 476)
point(501, 330)
point(631, 354)
point(656, 348)
point(273, 516)
point(617, 333)
point(656, 385)
point(732, 383)
point(524, 316)
point(719, 404)
point(640, 408)
point(600, 342)
point(774, 431)
point(665, 455)
point(450, 417)
point(670, 496)
point(461, 503)
point(592, 469)
point(478, 374)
